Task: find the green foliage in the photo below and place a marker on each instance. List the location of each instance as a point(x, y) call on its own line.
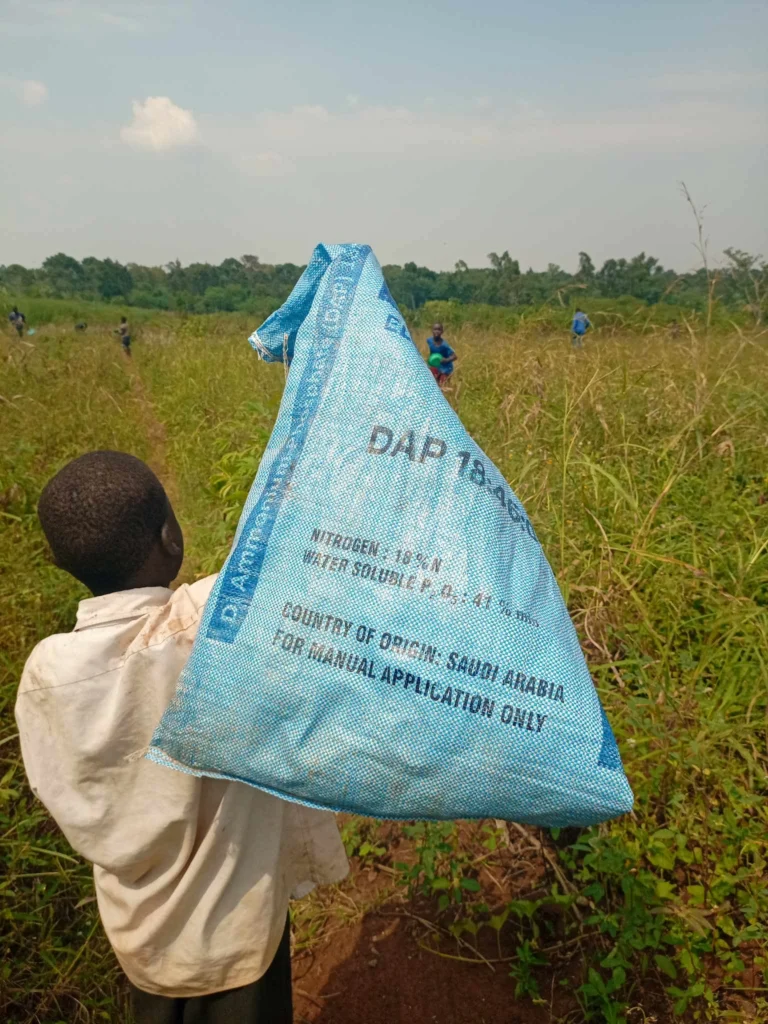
point(64, 274)
point(526, 959)
point(441, 867)
point(106, 278)
point(609, 317)
point(359, 838)
point(250, 286)
point(642, 462)
point(56, 402)
point(748, 279)
point(644, 470)
point(59, 316)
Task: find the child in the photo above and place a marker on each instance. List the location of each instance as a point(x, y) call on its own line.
point(17, 320)
point(192, 875)
point(579, 328)
point(125, 335)
point(438, 346)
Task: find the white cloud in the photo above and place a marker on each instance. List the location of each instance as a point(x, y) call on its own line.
point(159, 124)
point(273, 142)
point(33, 93)
point(30, 92)
point(268, 163)
point(313, 112)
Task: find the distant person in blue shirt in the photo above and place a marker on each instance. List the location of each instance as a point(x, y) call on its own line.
point(439, 346)
point(17, 320)
point(579, 328)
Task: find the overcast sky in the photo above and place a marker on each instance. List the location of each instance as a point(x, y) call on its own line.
point(434, 131)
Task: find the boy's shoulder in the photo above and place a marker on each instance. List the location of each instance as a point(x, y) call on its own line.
point(197, 592)
point(179, 614)
point(69, 657)
point(44, 664)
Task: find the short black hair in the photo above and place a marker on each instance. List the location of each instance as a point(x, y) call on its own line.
point(102, 514)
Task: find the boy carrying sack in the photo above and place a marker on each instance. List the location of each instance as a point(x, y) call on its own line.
point(193, 875)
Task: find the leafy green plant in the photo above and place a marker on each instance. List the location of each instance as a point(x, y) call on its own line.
point(359, 838)
point(441, 867)
point(521, 970)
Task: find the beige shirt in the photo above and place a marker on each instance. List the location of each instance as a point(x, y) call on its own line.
point(192, 875)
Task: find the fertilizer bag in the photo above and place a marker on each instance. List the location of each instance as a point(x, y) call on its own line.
point(386, 636)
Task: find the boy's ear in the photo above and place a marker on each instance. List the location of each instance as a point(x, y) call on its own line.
point(170, 538)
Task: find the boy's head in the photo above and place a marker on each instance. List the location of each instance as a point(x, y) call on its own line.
point(437, 331)
point(123, 319)
point(109, 523)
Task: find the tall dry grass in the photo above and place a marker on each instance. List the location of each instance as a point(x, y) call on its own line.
point(642, 462)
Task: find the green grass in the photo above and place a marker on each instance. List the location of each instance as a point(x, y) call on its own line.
point(642, 462)
point(610, 316)
point(63, 314)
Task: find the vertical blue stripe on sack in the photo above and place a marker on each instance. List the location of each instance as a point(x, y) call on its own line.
point(241, 573)
point(609, 751)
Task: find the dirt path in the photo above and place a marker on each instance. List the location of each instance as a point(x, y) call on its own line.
point(157, 436)
point(378, 971)
point(384, 958)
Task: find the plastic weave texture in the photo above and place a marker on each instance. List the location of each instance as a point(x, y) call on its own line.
point(386, 636)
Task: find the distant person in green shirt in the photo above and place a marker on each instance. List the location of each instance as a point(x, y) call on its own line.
point(438, 346)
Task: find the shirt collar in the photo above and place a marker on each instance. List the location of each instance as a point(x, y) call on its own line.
point(124, 604)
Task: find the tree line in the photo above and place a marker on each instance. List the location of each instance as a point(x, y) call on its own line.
point(248, 285)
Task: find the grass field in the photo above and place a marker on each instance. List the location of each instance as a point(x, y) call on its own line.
point(643, 463)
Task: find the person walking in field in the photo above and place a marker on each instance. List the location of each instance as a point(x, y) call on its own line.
point(17, 320)
point(443, 368)
point(193, 875)
point(579, 328)
point(125, 335)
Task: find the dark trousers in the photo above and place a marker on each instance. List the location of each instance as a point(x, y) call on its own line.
point(266, 1001)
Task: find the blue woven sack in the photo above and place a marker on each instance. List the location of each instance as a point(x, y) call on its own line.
point(386, 636)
